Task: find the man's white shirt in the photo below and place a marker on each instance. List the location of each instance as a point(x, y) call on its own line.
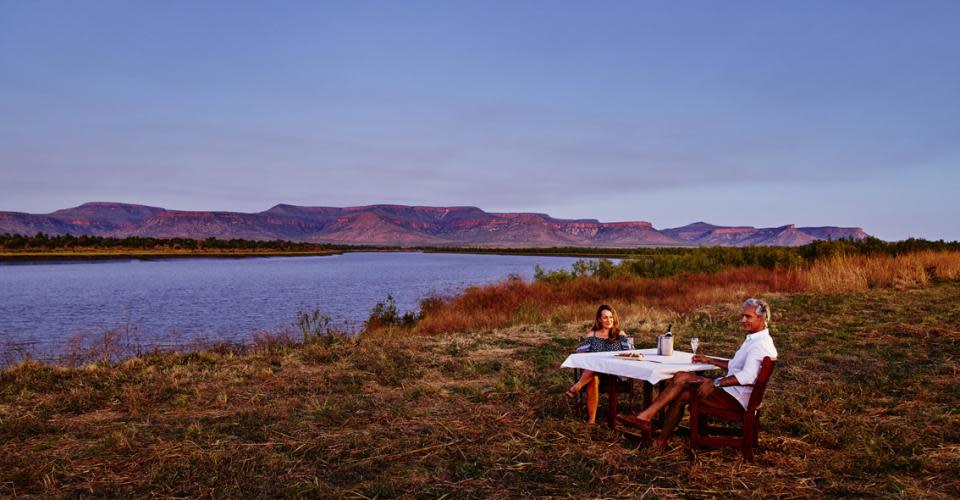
point(745, 364)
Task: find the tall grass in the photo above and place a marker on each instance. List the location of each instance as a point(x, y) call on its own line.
point(853, 273)
point(123, 342)
point(515, 302)
point(574, 298)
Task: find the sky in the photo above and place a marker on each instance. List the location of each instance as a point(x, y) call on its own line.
point(735, 113)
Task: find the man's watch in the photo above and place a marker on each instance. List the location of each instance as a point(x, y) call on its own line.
point(716, 383)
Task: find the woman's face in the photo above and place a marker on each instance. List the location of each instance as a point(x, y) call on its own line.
point(606, 319)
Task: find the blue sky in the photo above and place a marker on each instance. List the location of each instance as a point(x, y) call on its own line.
point(759, 113)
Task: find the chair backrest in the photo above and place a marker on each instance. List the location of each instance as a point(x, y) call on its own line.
point(756, 397)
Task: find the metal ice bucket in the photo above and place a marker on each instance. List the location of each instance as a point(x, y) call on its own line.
point(665, 345)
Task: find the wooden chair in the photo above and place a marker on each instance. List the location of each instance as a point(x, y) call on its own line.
point(750, 417)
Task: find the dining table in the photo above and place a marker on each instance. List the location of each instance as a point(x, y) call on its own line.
point(651, 368)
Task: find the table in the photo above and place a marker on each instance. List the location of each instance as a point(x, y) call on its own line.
point(651, 370)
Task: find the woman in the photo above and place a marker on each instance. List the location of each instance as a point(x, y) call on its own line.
point(604, 336)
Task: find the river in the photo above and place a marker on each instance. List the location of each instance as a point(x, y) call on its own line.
point(177, 301)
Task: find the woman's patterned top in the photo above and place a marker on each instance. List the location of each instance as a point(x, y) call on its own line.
point(597, 344)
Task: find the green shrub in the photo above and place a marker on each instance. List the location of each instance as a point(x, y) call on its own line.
point(315, 328)
point(386, 314)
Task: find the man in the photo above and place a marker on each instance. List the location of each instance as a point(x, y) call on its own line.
point(730, 391)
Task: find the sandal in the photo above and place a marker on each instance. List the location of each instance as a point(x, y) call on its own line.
point(571, 394)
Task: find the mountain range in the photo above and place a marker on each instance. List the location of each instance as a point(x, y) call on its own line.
point(401, 225)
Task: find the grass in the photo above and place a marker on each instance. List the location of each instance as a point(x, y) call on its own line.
point(516, 302)
point(863, 403)
point(851, 273)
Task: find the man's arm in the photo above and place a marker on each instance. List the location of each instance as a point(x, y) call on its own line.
point(707, 387)
point(719, 363)
point(751, 367)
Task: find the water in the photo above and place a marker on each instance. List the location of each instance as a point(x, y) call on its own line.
point(45, 304)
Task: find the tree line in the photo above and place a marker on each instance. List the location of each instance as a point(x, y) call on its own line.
point(646, 261)
point(42, 241)
point(660, 262)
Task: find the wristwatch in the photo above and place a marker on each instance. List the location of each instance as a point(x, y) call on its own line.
point(716, 383)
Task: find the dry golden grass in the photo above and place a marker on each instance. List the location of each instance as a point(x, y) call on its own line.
point(516, 302)
point(863, 403)
point(851, 273)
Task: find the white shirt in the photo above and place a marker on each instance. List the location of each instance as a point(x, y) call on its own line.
point(745, 364)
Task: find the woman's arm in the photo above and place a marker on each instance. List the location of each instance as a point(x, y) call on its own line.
point(584, 345)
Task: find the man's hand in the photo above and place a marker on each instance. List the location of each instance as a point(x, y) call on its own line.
point(707, 360)
point(705, 389)
point(700, 358)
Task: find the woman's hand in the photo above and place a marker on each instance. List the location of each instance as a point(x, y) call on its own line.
point(700, 358)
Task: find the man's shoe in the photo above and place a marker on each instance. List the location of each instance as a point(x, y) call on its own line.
point(632, 420)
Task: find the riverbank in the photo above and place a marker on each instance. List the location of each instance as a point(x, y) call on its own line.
point(863, 403)
point(645, 261)
point(126, 254)
point(23, 257)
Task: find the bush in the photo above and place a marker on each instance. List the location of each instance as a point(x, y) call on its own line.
point(315, 327)
point(386, 314)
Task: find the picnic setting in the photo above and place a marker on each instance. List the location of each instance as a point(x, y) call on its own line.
point(606, 360)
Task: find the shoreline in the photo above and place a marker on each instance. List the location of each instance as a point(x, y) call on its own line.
point(26, 258)
point(54, 256)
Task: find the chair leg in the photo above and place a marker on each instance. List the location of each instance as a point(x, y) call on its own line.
point(577, 406)
point(612, 402)
point(647, 394)
point(580, 405)
point(756, 431)
point(749, 438)
point(702, 434)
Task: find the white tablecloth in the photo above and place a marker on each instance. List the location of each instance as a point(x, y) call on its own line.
point(653, 369)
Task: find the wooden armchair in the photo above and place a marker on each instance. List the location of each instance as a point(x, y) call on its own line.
point(750, 417)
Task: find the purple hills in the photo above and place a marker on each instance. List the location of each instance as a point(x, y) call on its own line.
point(401, 225)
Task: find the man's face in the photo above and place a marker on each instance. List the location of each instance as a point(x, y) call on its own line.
point(751, 321)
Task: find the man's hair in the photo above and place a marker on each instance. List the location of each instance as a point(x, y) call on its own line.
point(760, 306)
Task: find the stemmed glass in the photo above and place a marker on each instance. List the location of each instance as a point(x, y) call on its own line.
point(694, 344)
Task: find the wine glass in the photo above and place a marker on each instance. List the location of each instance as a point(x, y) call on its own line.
point(694, 344)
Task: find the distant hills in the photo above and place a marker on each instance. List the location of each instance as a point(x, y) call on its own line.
point(400, 225)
